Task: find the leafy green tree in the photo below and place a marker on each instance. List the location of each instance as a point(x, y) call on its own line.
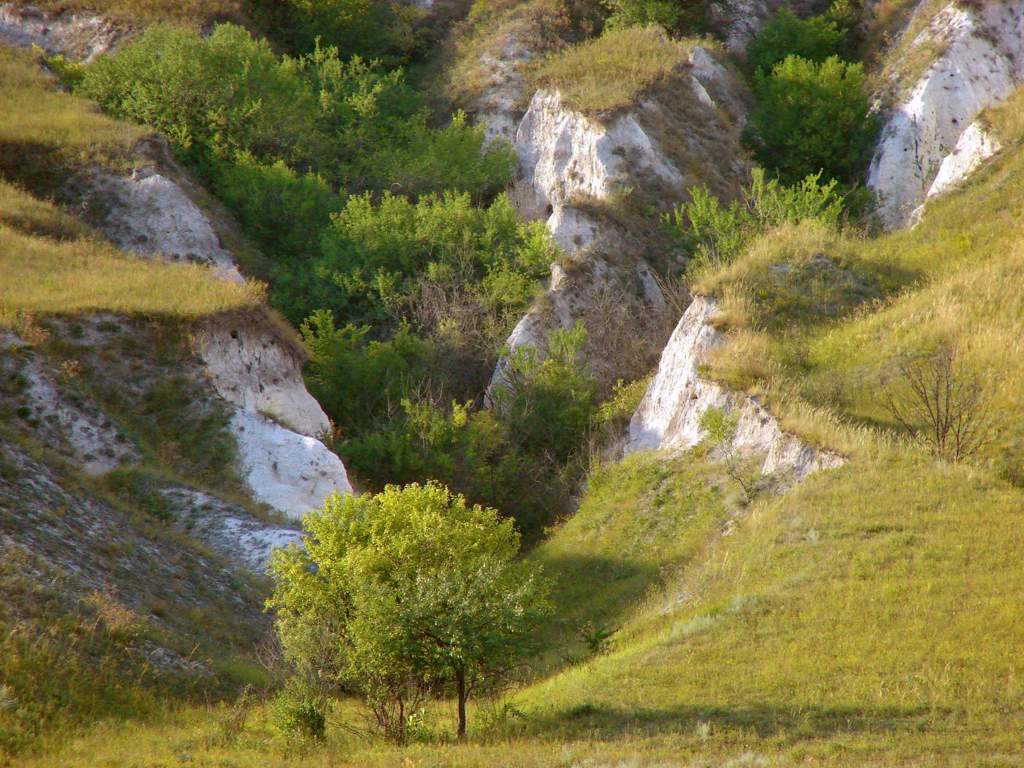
point(811, 117)
point(814, 39)
point(404, 594)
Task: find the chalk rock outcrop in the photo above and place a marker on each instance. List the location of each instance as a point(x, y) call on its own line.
point(228, 529)
point(81, 36)
point(930, 139)
point(150, 214)
point(670, 413)
point(499, 108)
point(249, 361)
point(574, 166)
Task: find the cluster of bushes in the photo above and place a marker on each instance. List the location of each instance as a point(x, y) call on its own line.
point(387, 240)
point(394, 400)
point(812, 113)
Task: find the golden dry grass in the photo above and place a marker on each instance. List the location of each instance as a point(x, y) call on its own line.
point(608, 73)
point(51, 264)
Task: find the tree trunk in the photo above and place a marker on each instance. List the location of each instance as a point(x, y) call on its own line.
point(460, 685)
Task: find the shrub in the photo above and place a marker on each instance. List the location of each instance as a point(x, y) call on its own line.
point(811, 118)
point(380, 254)
point(298, 713)
point(814, 39)
point(356, 27)
point(684, 16)
point(285, 212)
point(716, 235)
point(215, 96)
point(358, 381)
point(404, 594)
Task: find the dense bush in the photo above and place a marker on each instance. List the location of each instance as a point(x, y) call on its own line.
point(357, 27)
point(215, 96)
point(683, 16)
point(284, 211)
point(400, 258)
point(298, 713)
point(814, 39)
point(811, 117)
point(715, 234)
point(398, 426)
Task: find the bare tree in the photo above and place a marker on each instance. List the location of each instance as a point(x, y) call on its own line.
point(942, 405)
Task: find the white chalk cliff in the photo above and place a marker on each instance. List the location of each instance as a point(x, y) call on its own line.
point(568, 159)
point(669, 416)
point(931, 140)
point(275, 420)
point(82, 36)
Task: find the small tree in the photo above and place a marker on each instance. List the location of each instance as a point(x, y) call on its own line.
point(942, 405)
point(406, 594)
point(719, 434)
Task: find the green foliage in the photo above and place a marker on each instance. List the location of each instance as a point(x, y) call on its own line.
point(715, 235)
point(685, 16)
point(380, 256)
point(811, 118)
point(211, 96)
point(404, 594)
point(285, 212)
point(814, 39)
point(357, 27)
point(358, 380)
point(719, 427)
point(298, 713)
point(548, 398)
point(512, 456)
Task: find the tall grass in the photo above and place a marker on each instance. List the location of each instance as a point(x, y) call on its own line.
point(46, 134)
point(193, 12)
point(609, 72)
point(68, 271)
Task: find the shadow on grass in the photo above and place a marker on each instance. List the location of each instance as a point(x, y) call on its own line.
point(589, 593)
point(766, 720)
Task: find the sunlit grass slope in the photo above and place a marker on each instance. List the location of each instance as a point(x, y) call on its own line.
point(835, 334)
point(50, 262)
point(869, 615)
point(52, 265)
point(45, 133)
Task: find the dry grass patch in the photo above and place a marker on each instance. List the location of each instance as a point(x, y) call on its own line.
point(68, 270)
point(1006, 120)
point(45, 134)
point(612, 71)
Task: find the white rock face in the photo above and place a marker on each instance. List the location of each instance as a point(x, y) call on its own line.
point(499, 110)
point(292, 473)
point(981, 64)
point(669, 414)
point(974, 147)
point(149, 214)
point(77, 35)
point(564, 154)
point(253, 369)
point(276, 421)
point(229, 529)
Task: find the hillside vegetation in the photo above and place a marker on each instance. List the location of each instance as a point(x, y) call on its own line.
point(665, 609)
